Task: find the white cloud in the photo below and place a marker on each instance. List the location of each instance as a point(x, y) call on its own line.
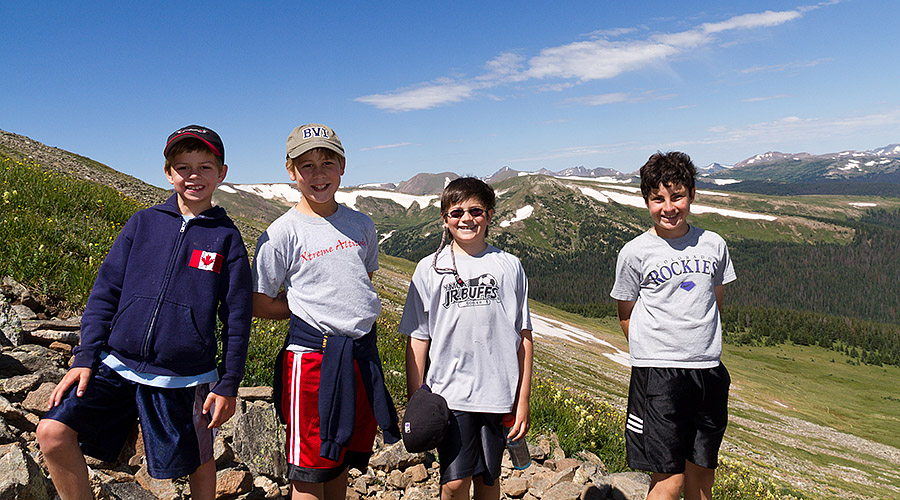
point(581, 61)
point(617, 97)
point(766, 98)
point(748, 21)
point(791, 66)
point(387, 146)
point(600, 59)
point(422, 97)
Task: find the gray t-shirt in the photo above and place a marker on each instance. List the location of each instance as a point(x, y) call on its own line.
point(675, 322)
point(474, 329)
point(323, 263)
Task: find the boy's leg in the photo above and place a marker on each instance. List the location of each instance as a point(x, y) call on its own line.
point(334, 489)
point(665, 486)
point(485, 492)
point(203, 482)
point(96, 423)
point(698, 482)
point(68, 470)
point(456, 489)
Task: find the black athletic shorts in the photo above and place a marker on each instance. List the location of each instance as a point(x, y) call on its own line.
point(473, 446)
point(675, 415)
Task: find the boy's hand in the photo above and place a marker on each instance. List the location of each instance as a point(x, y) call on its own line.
point(74, 375)
point(523, 422)
point(223, 408)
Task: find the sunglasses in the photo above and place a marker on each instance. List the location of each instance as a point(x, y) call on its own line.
point(457, 213)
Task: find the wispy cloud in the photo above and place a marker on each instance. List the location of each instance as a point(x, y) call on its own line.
point(577, 151)
point(791, 66)
point(769, 133)
point(424, 96)
point(387, 146)
point(796, 128)
point(617, 97)
point(765, 98)
point(595, 59)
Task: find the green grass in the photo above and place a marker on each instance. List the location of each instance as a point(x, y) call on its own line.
point(56, 230)
point(807, 380)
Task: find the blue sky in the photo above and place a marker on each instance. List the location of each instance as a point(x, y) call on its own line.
point(461, 86)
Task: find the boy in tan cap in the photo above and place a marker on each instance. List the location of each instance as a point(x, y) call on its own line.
point(323, 255)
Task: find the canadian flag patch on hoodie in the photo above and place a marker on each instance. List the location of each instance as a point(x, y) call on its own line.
point(206, 261)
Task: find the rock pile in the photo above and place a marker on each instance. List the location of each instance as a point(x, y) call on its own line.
point(249, 450)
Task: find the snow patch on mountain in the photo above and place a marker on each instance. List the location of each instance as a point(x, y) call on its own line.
point(521, 214)
point(605, 196)
point(406, 200)
point(546, 327)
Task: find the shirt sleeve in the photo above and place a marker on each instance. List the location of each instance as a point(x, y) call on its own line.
point(415, 319)
point(725, 272)
point(270, 266)
point(628, 279)
point(524, 320)
point(371, 248)
point(235, 313)
point(103, 302)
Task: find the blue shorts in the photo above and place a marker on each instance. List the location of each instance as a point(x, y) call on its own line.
point(176, 440)
point(473, 446)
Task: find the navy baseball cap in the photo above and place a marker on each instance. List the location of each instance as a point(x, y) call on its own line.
point(205, 134)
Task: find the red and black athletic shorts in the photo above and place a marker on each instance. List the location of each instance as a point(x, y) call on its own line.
point(299, 405)
point(676, 415)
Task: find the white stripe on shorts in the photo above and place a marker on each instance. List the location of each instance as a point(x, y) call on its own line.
point(634, 424)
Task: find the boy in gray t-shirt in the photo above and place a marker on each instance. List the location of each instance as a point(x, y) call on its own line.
point(468, 322)
point(670, 282)
point(328, 378)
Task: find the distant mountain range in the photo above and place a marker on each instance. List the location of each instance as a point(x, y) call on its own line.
point(880, 165)
point(874, 165)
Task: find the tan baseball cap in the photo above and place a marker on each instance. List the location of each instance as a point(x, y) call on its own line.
point(311, 136)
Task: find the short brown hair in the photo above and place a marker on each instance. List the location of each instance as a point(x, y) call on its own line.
point(189, 146)
point(463, 188)
point(667, 169)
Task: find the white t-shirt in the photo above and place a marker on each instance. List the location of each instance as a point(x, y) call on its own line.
point(675, 321)
point(474, 329)
point(323, 264)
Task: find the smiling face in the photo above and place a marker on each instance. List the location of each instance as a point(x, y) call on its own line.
point(194, 175)
point(669, 207)
point(468, 231)
point(318, 177)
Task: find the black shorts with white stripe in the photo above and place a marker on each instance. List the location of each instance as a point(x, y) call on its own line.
point(676, 415)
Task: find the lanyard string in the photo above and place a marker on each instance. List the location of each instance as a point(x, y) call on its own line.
point(447, 270)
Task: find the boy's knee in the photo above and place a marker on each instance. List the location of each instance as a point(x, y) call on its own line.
point(52, 435)
point(458, 488)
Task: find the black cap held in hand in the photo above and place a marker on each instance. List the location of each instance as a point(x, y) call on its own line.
point(425, 422)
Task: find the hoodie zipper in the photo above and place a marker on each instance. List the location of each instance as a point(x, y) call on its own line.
point(145, 348)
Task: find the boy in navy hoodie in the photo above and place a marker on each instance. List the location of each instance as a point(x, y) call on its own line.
point(148, 334)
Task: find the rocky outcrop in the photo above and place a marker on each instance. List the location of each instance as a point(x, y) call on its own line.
point(249, 449)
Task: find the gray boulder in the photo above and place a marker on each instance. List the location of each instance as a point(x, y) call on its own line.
point(258, 440)
point(20, 476)
point(10, 325)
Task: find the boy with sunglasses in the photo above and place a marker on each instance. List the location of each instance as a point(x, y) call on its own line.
point(469, 329)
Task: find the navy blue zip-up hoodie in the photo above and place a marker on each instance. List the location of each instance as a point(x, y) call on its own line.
point(158, 293)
